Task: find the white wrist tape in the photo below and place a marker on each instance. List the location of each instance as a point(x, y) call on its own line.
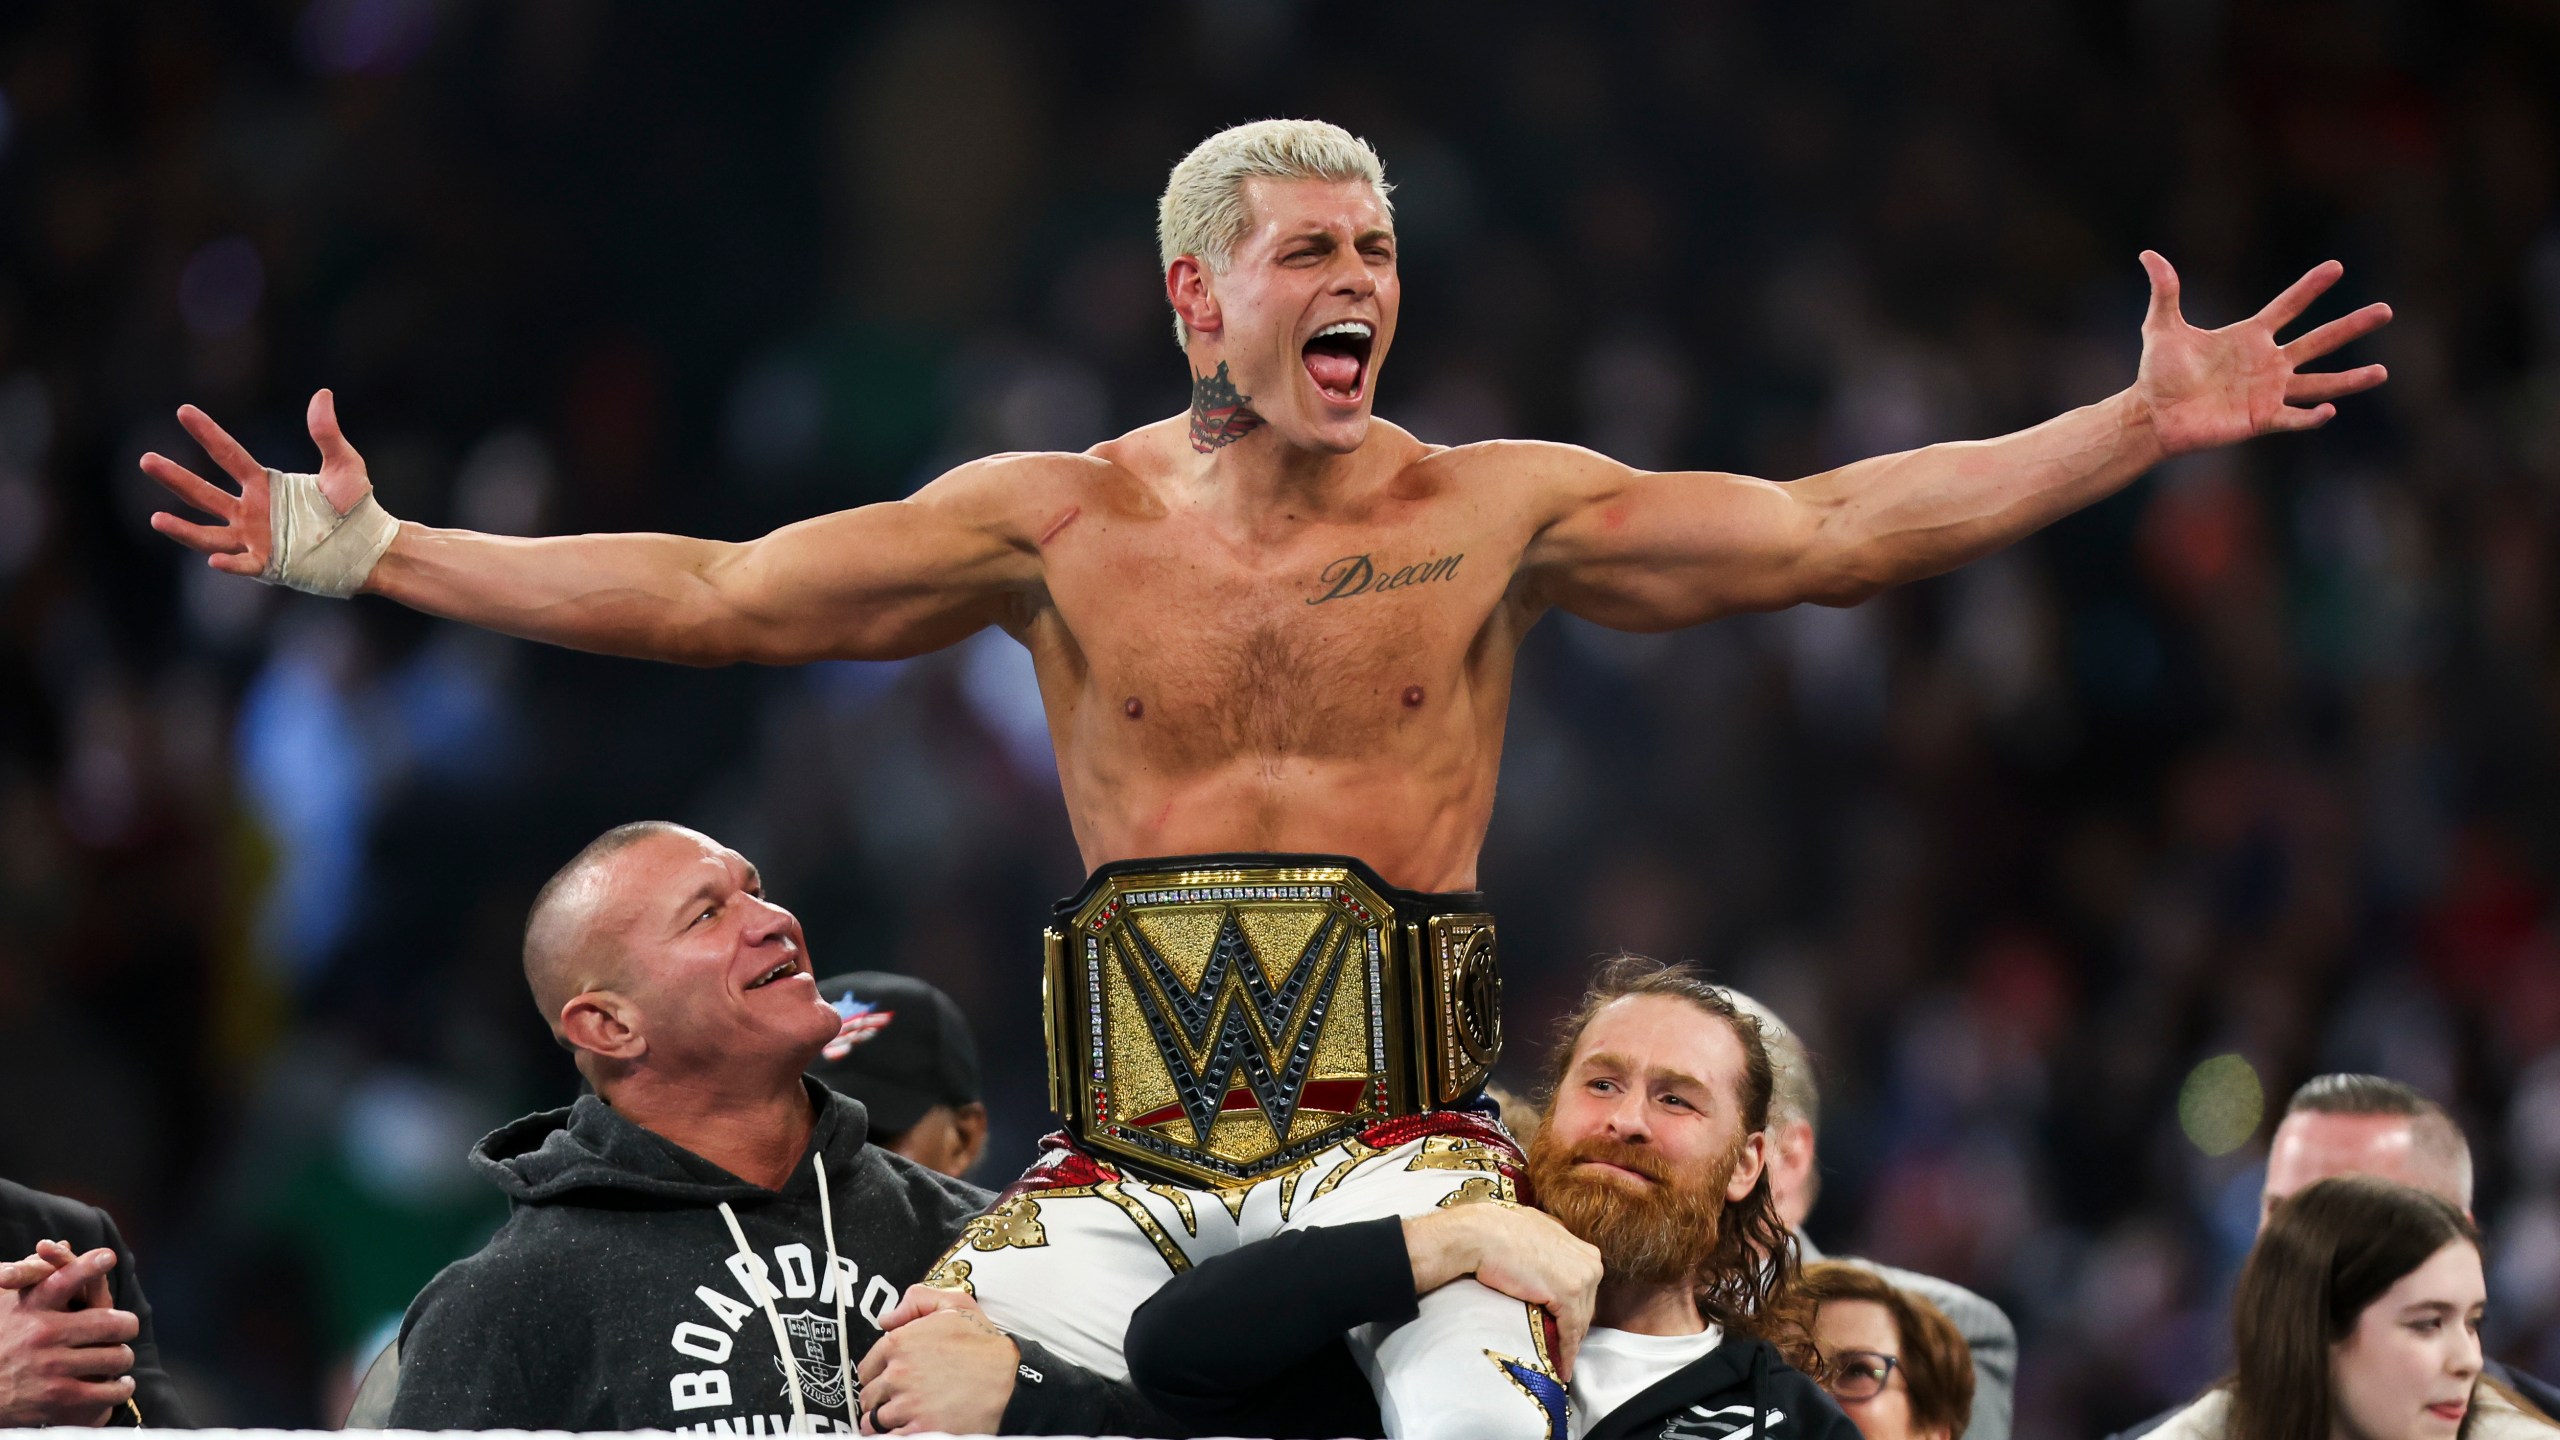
point(316, 549)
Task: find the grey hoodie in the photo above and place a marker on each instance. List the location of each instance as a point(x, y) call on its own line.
point(639, 1286)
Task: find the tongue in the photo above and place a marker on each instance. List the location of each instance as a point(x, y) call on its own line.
point(1334, 372)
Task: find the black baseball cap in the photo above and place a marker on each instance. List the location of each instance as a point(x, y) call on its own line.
point(903, 1048)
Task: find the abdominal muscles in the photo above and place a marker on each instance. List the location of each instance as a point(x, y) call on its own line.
point(1418, 831)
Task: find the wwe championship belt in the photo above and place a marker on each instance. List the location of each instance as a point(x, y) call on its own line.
point(1215, 1018)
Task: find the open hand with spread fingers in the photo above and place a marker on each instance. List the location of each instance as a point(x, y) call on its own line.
point(245, 541)
point(2203, 388)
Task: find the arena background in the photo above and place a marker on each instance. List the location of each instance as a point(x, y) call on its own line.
point(2257, 760)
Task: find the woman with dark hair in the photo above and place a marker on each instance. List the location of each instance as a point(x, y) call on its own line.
point(1895, 1362)
point(2358, 1318)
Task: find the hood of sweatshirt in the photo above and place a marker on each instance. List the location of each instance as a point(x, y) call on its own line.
point(589, 1146)
point(636, 1285)
point(1741, 1390)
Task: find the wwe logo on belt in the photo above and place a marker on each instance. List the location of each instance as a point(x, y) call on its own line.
point(1237, 1006)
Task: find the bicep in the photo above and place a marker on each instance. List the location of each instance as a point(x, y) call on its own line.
point(880, 582)
point(1655, 550)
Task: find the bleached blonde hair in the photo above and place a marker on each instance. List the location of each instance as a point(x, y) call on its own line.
point(1203, 212)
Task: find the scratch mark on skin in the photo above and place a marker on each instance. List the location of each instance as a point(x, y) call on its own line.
point(1061, 523)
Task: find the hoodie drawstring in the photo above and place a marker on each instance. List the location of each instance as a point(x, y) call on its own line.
point(764, 1297)
point(836, 1280)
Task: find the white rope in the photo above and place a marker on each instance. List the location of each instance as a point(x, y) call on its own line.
point(837, 1279)
point(781, 1340)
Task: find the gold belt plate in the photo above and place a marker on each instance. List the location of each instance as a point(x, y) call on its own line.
point(1221, 1024)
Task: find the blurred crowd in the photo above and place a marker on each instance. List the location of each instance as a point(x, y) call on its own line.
point(2067, 867)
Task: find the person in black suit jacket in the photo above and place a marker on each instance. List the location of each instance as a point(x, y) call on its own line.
point(75, 1333)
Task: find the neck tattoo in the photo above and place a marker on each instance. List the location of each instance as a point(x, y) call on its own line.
point(1219, 415)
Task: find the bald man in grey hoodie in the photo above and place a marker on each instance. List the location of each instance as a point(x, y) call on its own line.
point(708, 1242)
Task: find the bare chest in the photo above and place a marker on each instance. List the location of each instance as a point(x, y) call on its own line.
point(1196, 650)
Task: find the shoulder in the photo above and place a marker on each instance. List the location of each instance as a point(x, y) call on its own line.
point(1820, 1414)
point(510, 1278)
point(1722, 1389)
point(937, 1201)
point(1022, 494)
point(1014, 477)
point(1529, 459)
point(2532, 1389)
point(1717, 1394)
point(1977, 1318)
point(1542, 482)
point(2499, 1418)
point(2208, 1418)
point(28, 1215)
point(1525, 462)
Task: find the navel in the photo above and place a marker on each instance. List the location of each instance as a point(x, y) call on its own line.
point(1413, 697)
point(1134, 708)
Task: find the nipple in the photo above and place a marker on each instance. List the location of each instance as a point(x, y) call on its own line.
point(1413, 697)
point(1134, 708)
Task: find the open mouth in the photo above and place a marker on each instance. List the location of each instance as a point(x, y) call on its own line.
point(1337, 359)
point(783, 971)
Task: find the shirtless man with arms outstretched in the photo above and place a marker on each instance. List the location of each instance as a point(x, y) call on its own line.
point(1277, 624)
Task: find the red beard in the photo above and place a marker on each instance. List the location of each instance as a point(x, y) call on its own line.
point(1647, 1234)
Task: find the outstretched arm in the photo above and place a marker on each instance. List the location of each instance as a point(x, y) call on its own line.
point(879, 582)
point(1647, 551)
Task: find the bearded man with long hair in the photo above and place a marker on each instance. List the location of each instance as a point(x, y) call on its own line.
point(1656, 1246)
point(1652, 1147)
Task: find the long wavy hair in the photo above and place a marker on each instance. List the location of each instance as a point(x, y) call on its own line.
point(1751, 1283)
point(2329, 1250)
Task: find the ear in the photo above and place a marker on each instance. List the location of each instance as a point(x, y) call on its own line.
point(1747, 1167)
point(1796, 1145)
point(1186, 286)
point(603, 1024)
point(970, 1122)
point(1794, 1157)
point(1792, 1183)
